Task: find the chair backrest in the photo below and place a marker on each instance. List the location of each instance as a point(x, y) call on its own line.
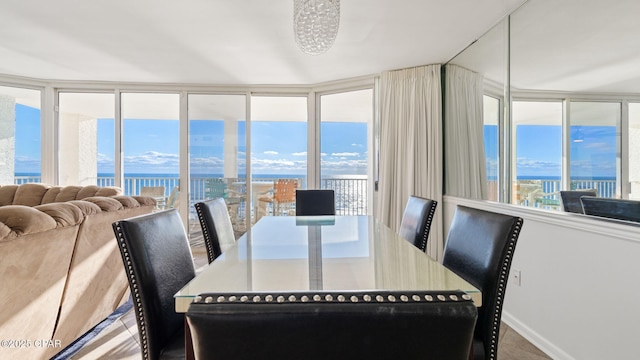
point(619, 209)
point(479, 248)
point(284, 190)
point(217, 229)
point(416, 221)
point(152, 191)
point(215, 188)
point(571, 199)
point(331, 325)
point(315, 202)
point(174, 197)
point(158, 262)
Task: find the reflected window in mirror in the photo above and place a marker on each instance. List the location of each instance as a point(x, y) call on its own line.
point(491, 116)
point(594, 147)
point(537, 147)
point(633, 137)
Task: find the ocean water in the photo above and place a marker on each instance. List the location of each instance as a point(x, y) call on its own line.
point(351, 190)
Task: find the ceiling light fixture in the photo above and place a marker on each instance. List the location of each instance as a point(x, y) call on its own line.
point(315, 24)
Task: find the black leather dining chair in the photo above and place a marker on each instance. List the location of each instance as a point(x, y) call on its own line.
point(158, 262)
point(618, 209)
point(479, 248)
point(332, 325)
point(217, 229)
point(416, 221)
point(571, 199)
point(315, 202)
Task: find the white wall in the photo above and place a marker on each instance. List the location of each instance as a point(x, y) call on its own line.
point(579, 296)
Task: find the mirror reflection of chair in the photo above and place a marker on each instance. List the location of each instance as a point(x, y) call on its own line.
point(416, 221)
point(571, 199)
point(315, 202)
point(217, 229)
point(618, 209)
point(479, 248)
point(284, 197)
point(158, 262)
point(365, 325)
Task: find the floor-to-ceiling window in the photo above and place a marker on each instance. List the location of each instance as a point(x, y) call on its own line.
point(595, 147)
point(536, 166)
point(279, 132)
point(87, 137)
point(217, 154)
point(150, 145)
point(20, 143)
point(633, 139)
point(491, 118)
point(345, 124)
point(110, 136)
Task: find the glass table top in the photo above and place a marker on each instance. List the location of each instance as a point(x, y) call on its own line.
point(321, 253)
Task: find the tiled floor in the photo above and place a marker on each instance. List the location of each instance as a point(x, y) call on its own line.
point(120, 339)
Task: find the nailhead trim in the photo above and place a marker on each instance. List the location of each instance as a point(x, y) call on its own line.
point(205, 234)
point(135, 290)
point(502, 284)
point(334, 297)
point(427, 225)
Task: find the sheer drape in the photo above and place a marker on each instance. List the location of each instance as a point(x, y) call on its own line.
point(465, 170)
point(411, 145)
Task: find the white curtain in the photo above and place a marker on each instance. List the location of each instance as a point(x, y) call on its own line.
point(411, 146)
point(465, 170)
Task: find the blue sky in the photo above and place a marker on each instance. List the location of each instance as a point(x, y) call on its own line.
point(152, 146)
point(539, 150)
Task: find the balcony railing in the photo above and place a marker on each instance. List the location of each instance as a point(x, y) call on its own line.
point(545, 194)
point(351, 193)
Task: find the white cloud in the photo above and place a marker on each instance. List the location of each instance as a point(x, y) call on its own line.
point(342, 154)
point(302, 153)
point(270, 152)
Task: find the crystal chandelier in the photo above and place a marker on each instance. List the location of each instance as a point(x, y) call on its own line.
point(315, 24)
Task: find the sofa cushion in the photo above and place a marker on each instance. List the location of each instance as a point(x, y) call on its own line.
point(108, 191)
point(30, 194)
point(87, 208)
point(7, 192)
point(142, 200)
point(65, 214)
point(21, 220)
point(68, 193)
point(106, 203)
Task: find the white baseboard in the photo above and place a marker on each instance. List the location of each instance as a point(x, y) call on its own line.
point(533, 337)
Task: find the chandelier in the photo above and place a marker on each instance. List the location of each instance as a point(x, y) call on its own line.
point(315, 24)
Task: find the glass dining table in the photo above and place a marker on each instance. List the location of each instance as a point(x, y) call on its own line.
point(321, 253)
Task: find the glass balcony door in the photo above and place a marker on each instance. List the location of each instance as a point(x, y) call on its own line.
point(279, 134)
point(87, 138)
point(150, 134)
point(345, 134)
point(20, 147)
point(537, 164)
point(217, 155)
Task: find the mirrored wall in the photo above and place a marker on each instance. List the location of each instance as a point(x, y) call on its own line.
point(561, 101)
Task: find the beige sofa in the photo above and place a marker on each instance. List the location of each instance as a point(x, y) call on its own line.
point(60, 268)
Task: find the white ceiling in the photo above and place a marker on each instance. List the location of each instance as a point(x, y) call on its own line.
point(581, 46)
point(229, 42)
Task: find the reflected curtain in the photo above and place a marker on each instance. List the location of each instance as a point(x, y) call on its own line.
point(465, 169)
point(411, 146)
